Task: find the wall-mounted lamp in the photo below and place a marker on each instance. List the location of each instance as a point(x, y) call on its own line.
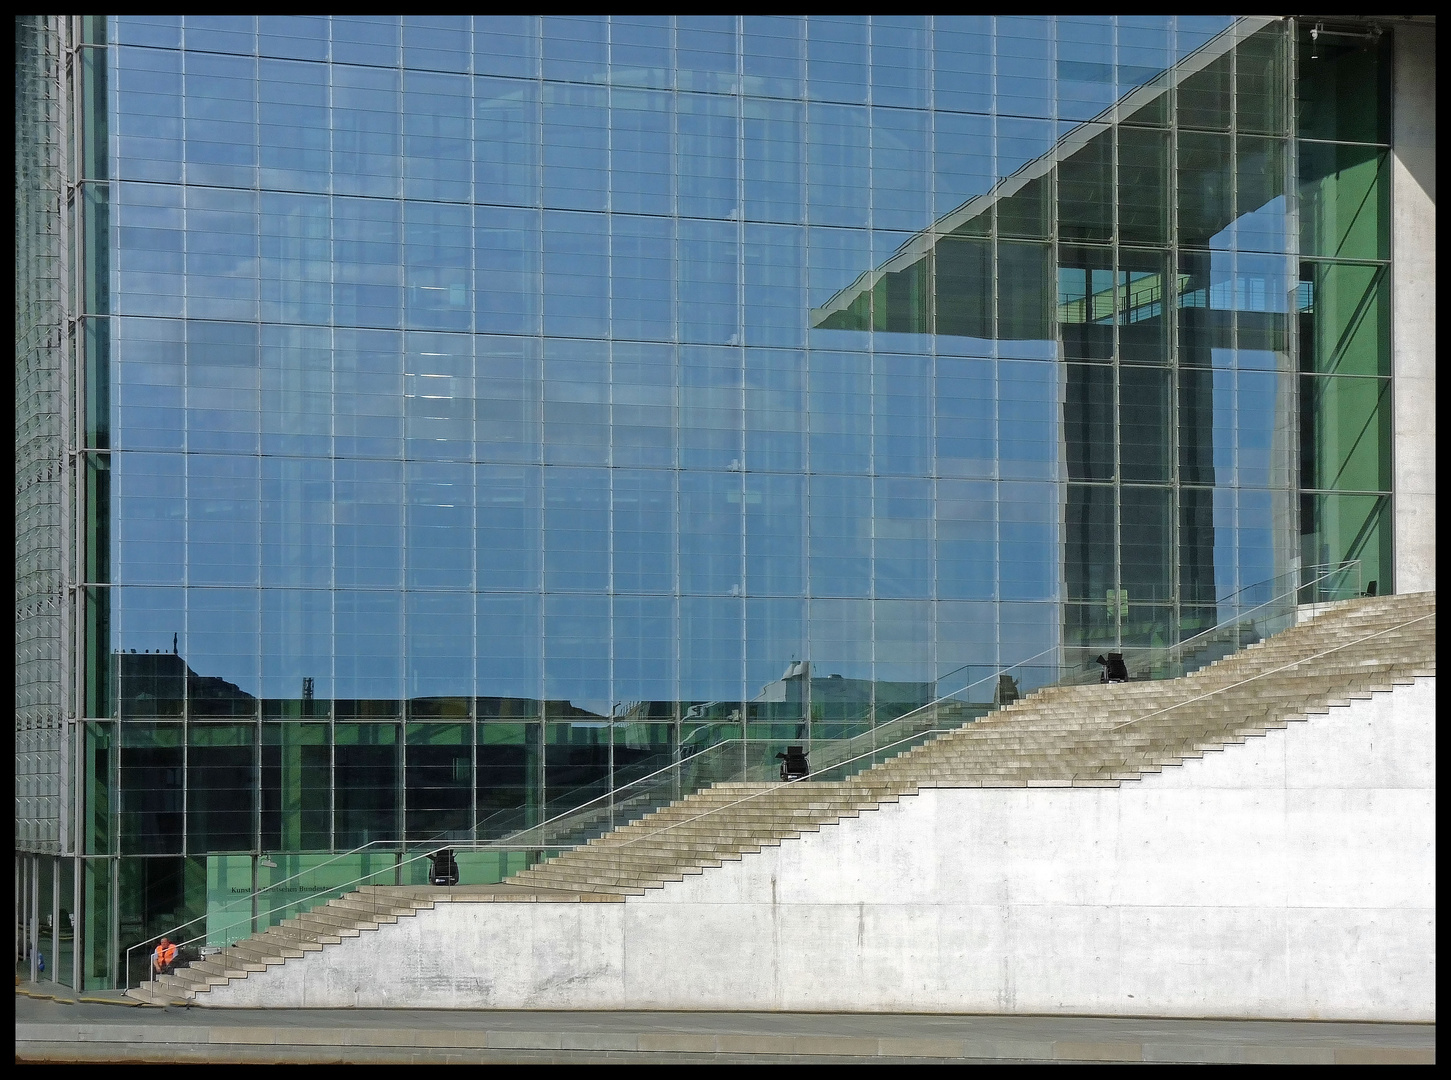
point(1367, 37)
point(265, 861)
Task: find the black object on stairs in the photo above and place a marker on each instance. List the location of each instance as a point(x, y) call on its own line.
point(793, 764)
point(445, 868)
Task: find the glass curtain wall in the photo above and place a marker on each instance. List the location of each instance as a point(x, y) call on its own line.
point(501, 407)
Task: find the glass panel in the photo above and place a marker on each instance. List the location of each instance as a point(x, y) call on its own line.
point(154, 896)
point(296, 787)
point(1204, 97)
point(1196, 547)
point(1089, 547)
point(576, 758)
point(1344, 319)
point(1026, 211)
point(1334, 528)
point(1086, 302)
point(1085, 190)
point(151, 787)
point(97, 966)
point(964, 276)
point(510, 777)
point(1143, 185)
point(1206, 187)
point(365, 774)
point(439, 780)
point(1197, 429)
point(1345, 433)
point(1025, 291)
point(221, 787)
point(1260, 75)
point(1144, 421)
point(100, 791)
point(1146, 538)
point(1343, 91)
point(1088, 422)
point(1344, 201)
point(1145, 293)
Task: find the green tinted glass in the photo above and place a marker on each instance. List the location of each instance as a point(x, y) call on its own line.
point(1345, 433)
point(1344, 312)
point(1344, 201)
point(1334, 528)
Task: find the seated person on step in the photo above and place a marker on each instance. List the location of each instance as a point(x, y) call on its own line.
point(164, 957)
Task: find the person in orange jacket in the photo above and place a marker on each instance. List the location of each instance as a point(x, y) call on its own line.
point(165, 957)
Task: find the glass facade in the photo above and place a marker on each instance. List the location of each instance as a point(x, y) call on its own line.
point(482, 412)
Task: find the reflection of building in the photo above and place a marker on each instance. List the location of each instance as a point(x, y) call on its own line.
point(837, 701)
point(1143, 298)
point(486, 408)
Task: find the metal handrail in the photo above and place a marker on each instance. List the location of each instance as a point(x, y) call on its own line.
point(610, 797)
point(772, 787)
point(1273, 671)
point(1249, 613)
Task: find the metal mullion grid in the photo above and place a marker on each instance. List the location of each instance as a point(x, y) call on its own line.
point(1234, 278)
point(929, 277)
point(739, 336)
point(1176, 503)
point(871, 391)
point(1056, 261)
point(332, 786)
point(996, 360)
point(1169, 294)
point(73, 395)
point(1292, 228)
point(610, 414)
point(675, 593)
point(541, 720)
point(809, 474)
point(473, 724)
point(1176, 495)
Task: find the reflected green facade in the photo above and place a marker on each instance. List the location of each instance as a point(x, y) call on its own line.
point(470, 416)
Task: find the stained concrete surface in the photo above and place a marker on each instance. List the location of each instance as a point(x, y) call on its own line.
point(92, 1031)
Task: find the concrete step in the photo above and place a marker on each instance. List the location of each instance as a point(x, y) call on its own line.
point(301, 937)
point(150, 994)
point(252, 951)
point(214, 965)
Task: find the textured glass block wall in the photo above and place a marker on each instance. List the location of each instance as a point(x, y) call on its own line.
point(40, 446)
point(501, 406)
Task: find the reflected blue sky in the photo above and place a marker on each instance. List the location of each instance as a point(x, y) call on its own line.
point(476, 356)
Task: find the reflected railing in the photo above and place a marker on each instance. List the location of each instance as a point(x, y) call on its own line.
point(972, 697)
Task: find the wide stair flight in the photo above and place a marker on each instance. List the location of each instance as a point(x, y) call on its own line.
point(1087, 735)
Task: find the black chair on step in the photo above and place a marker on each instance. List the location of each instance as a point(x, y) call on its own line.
point(1114, 668)
point(445, 868)
point(793, 764)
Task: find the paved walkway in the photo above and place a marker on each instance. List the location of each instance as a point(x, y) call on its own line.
point(101, 1028)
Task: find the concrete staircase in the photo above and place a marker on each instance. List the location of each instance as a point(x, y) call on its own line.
point(359, 912)
point(1090, 736)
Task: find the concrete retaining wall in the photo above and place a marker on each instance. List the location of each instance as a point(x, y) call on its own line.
point(1292, 877)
